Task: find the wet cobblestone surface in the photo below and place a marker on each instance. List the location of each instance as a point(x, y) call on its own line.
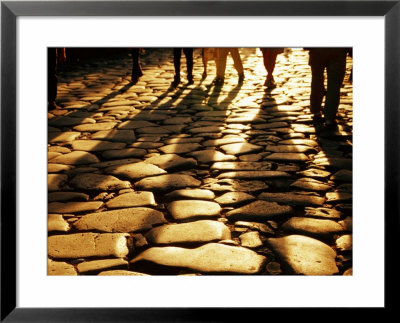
point(146, 179)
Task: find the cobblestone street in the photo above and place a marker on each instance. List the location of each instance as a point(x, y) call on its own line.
point(147, 179)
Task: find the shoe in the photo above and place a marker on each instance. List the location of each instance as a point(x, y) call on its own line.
point(52, 106)
point(329, 130)
point(331, 125)
point(176, 81)
point(219, 81)
point(190, 80)
point(134, 79)
point(318, 123)
point(270, 83)
point(135, 76)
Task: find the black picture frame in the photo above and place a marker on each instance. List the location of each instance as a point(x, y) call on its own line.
point(10, 10)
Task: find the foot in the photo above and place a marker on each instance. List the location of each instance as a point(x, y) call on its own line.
point(330, 129)
point(135, 76)
point(176, 81)
point(190, 80)
point(204, 75)
point(134, 79)
point(219, 81)
point(318, 123)
point(331, 125)
point(270, 83)
point(52, 105)
point(241, 78)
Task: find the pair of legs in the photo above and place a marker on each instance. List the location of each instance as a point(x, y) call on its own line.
point(334, 60)
point(51, 77)
point(136, 68)
point(351, 73)
point(221, 63)
point(54, 56)
point(269, 59)
point(177, 64)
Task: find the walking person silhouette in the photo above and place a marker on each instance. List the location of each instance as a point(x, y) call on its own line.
point(177, 64)
point(136, 67)
point(221, 64)
point(334, 61)
point(54, 57)
point(269, 59)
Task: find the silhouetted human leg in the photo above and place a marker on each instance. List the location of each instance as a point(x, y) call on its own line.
point(204, 59)
point(317, 83)
point(177, 65)
point(317, 63)
point(237, 62)
point(351, 73)
point(221, 65)
point(189, 63)
point(269, 59)
point(336, 69)
point(51, 77)
point(136, 68)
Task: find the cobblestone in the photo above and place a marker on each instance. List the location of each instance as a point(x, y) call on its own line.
point(211, 257)
point(80, 245)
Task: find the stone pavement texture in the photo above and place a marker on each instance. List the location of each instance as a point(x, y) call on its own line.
point(146, 179)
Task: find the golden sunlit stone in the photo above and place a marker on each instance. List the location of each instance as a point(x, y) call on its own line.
point(197, 231)
point(80, 245)
point(305, 256)
point(212, 257)
point(184, 209)
point(121, 220)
